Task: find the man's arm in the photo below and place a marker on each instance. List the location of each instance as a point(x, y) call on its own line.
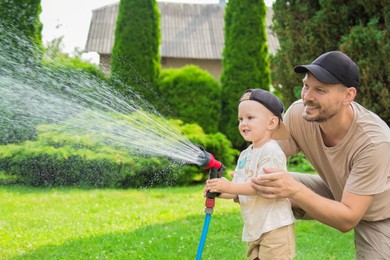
point(343, 215)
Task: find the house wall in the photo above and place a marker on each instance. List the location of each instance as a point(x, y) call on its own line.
point(105, 63)
point(214, 67)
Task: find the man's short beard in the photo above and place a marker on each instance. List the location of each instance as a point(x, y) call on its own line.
point(318, 119)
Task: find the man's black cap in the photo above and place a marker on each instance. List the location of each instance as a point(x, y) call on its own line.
point(333, 67)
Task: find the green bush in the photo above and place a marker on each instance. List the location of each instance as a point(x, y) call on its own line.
point(193, 96)
point(57, 159)
point(299, 163)
point(38, 164)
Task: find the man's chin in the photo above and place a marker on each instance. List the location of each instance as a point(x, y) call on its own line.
point(309, 118)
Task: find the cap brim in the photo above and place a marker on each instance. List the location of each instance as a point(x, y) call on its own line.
point(281, 133)
point(318, 72)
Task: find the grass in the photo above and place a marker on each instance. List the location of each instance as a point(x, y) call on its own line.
point(71, 223)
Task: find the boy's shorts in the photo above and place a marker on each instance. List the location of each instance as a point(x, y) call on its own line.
point(275, 244)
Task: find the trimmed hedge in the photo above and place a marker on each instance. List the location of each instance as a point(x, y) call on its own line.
point(193, 96)
point(56, 159)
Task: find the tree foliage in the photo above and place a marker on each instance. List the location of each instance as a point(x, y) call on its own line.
point(245, 59)
point(135, 55)
point(23, 17)
point(360, 28)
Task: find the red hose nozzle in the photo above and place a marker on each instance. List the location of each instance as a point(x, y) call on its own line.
point(208, 161)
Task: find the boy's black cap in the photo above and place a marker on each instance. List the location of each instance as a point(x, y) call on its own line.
point(333, 67)
point(273, 104)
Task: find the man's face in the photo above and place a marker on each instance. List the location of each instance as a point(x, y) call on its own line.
point(322, 101)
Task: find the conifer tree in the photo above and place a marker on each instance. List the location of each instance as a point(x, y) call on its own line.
point(245, 60)
point(135, 55)
point(20, 47)
point(21, 18)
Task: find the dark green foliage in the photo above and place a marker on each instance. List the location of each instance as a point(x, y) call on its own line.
point(360, 28)
point(22, 16)
point(245, 60)
point(56, 159)
point(299, 163)
point(370, 45)
point(40, 165)
point(192, 95)
point(135, 55)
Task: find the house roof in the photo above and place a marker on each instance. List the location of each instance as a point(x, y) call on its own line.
point(187, 30)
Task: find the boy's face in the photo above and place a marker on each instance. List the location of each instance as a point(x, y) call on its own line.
point(254, 122)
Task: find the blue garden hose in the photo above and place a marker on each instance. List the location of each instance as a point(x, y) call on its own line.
point(216, 171)
point(204, 234)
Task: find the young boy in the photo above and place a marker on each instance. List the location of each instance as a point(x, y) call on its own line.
point(268, 224)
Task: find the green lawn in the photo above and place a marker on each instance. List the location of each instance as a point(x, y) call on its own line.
point(70, 223)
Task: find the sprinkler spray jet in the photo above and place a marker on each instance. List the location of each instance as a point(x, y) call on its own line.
point(217, 169)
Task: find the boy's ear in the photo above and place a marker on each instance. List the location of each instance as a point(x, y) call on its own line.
point(273, 122)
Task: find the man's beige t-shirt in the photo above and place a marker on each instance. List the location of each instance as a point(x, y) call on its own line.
point(359, 163)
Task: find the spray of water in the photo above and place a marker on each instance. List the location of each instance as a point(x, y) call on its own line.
point(32, 94)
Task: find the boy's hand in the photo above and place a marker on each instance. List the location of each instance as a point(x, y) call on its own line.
point(217, 185)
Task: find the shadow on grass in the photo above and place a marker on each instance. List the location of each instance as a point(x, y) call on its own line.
point(172, 240)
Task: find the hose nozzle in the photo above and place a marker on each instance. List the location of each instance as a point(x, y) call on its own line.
point(208, 161)
point(217, 169)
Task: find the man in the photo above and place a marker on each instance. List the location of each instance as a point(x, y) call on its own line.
point(348, 146)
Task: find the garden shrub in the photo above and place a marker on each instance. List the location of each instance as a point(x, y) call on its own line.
point(299, 163)
point(57, 159)
point(41, 165)
point(192, 95)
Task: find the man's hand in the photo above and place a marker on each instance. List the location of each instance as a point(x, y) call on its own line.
point(276, 183)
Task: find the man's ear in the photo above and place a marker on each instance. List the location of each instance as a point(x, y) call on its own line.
point(350, 95)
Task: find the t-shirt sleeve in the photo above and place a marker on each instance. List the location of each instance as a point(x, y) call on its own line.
point(271, 158)
point(368, 173)
point(291, 119)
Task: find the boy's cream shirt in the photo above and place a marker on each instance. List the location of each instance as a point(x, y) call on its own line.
point(261, 215)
